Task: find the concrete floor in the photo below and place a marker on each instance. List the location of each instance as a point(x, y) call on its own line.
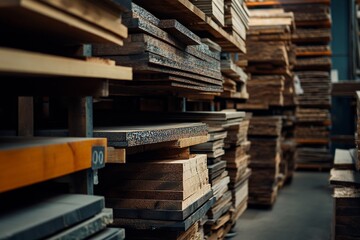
point(303, 210)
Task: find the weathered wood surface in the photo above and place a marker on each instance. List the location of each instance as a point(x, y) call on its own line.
point(110, 234)
point(49, 216)
point(143, 224)
point(36, 159)
point(87, 228)
point(196, 20)
point(16, 62)
point(128, 136)
point(346, 178)
point(67, 21)
point(265, 126)
point(173, 215)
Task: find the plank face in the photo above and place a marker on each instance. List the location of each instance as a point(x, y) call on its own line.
point(44, 65)
point(343, 159)
point(71, 21)
point(49, 216)
point(128, 136)
point(34, 160)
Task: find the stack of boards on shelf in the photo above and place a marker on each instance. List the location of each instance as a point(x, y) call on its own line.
point(220, 217)
point(270, 57)
point(162, 189)
point(212, 8)
point(265, 136)
point(50, 215)
point(67, 216)
point(234, 79)
point(164, 55)
point(312, 37)
point(69, 23)
point(345, 179)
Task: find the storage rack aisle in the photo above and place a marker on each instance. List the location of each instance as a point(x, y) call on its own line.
point(47, 182)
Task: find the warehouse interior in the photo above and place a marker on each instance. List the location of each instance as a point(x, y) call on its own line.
point(180, 119)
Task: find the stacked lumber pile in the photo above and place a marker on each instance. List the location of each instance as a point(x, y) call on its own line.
point(64, 216)
point(50, 211)
point(212, 8)
point(58, 46)
point(313, 64)
point(346, 182)
point(265, 137)
point(162, 189)
point(238, 158)
point(164, 55)
point(235, 79)
point(270, 56)
point(236, 18)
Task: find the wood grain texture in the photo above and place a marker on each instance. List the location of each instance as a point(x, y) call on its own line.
point(74, 21)
point(26, 161)
point(26, 63)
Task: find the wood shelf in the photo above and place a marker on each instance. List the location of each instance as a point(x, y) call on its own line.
point(196, 20)
point(70, 21)
point(29, 160)
point(56, 74)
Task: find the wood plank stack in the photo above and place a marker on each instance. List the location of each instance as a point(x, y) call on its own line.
point(235, 79)
point(66, 216)
point(270, 57)
point(236, 18)
point(238, 158)
point(56, 47)
point(222, 171)
point(213, 8)
point(313, 64)
point(47, 212)
point(265, 137)
point(164, 55)
point(346, 182)
point(164, 189)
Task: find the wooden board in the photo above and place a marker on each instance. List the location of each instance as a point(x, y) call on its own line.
point(25, 161)
point(87, 228)
point(128, 136)
point(110, 234)
point(16, 62)
point(49, 216)
point(180, 32)
point(162, 214)
point(116, 155)
point(347, 178)
point(195, 20)
point(71, 21)
point(344, 160)
point(142, 224)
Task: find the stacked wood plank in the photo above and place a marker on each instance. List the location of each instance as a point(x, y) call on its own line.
point(165, 55)
point(69, 23)
point(164, 189)
point(238, 158)
point(67, 216)
point(265, 136)
point(236, 18)
point(220, 217)
point(213, 8)
point(235, 80)
point(270, 57)
point(28, 165)
point(346, 182)
point(313, 64)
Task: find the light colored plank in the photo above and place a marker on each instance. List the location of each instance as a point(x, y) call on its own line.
point(20, 62)
point(25, 161)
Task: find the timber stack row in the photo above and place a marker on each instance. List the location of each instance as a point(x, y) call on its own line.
point(312, 37)
point(37, 191)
